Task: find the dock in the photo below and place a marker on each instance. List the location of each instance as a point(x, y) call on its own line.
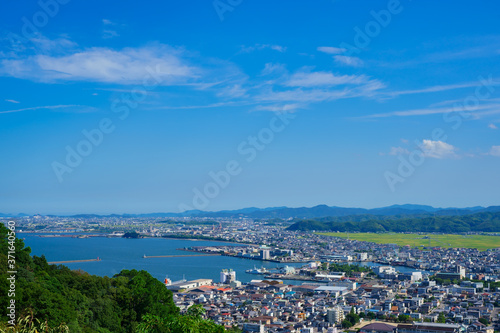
point(183, 255)
point(72, 261)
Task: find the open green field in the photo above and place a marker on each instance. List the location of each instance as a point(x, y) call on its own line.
point(468, 241)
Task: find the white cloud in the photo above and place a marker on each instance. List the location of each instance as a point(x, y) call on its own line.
point(12, 101)
point(205, 106)
point(45, 45)
point(126, 66)
point(438, 149)
point(271, 68)
point(399, 151)
point(348, 61)
point(310, 87)
point(302, 96)
point(430, 111)
point(493, 126)
point(437, 88)
point(312, 79)
point(339, 58)
point(48, 107)
point(232, 91)
point(107, 33)
point(109, 29)
point(331, 49)
point(258, 47)
point(278, 48)
point(495, 151)
point(279, 107)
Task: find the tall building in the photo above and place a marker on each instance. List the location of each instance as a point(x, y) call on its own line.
point(265, 254)
point(227, 275)
point(335, 315)
point(363, 256)
point(461, 271)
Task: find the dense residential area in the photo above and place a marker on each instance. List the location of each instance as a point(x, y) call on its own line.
point(327, 283)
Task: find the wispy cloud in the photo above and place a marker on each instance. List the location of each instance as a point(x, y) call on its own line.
point(271, 68)
point(430, 111)
point(201, 106)
point(348, 60)
point(279, 107)
point(479, 51)
point(307, 86)
point(492, 126)
point(109, 29)
point(314, 79)
point(47, 107)
point(398, 151)
point(437, 88)
point(494, 151)
point(107, 34)
point(258, 47)
point(12, 101)
point(394, 151)
point(340, 57)
point(331, 50)
point(477, 47)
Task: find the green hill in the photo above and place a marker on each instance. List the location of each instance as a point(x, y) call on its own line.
point(478, 222)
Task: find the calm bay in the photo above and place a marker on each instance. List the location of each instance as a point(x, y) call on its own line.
point(117, 254)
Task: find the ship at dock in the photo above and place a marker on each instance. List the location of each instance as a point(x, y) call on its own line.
point(255, 270)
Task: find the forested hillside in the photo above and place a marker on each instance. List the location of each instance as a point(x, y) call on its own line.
point(74, 301)
point(481, 222)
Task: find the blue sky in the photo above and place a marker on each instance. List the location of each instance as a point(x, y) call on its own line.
point(229, 104)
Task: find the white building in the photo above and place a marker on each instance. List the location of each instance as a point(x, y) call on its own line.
point(265, 254)
point(363, 256)
point(183, 285)
point(227, 275)
point(335, 315)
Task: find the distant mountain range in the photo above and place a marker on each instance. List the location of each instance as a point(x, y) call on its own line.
point(320, 211)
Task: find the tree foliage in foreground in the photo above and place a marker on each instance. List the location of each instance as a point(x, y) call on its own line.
point(52, 298)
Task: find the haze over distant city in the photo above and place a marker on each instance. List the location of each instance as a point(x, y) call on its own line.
point(265, 104)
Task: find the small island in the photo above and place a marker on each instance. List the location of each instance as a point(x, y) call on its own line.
point(131, 234)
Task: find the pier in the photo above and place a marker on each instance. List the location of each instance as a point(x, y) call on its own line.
point(183, 255)
point(72, 261)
